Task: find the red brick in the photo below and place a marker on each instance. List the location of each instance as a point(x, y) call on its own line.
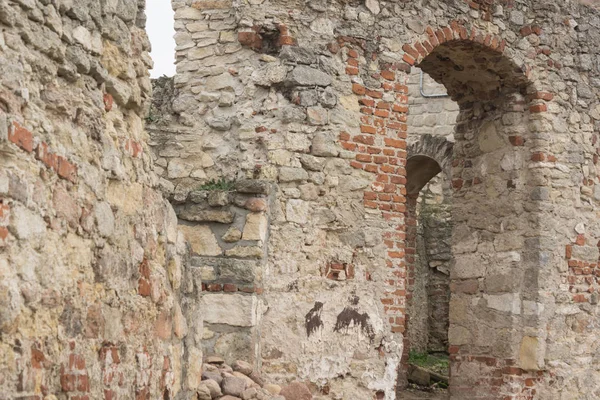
point(351, 71)
point(376, 94)
point(538, 108)
point(364, 157)
point(432, 37)
point(408, 59)
point(382, 113)
point(144, 288)
point(526, 30)
point(358, 89)
point(368, 129)
point(250, 39)
point(357, 165)
point(440, 36)
point(407, 48)
point(396, 143)
point(108, 102)
point(448, 33)
point(516, 140)
point(66, 170)
point(388, 75)
point(421, 49)
point(214, 287)
point(353, 62)
point(285, 40)
point(67, 381)
point(83, 383)
point(348, 146)
point(352, 53)
point(547, 96)
point(229, 287)
point(20, 136)
point(538, 156)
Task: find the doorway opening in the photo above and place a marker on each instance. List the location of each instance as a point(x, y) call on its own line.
point(467, 221)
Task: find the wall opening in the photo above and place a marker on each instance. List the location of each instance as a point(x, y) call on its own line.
point(487, 191)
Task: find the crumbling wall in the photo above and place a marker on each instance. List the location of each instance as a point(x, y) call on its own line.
point(95, 299)
point(313, 97)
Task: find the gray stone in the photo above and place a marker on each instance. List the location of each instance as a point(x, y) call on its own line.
point(307, 76)
point(323, 145)
point(269, 75)
point(196, 213)
point(233, 385)
point(218, 198)
point(214, 376)
point(289, 174)
point(297, 54)
point(252, 186)
point(213, 387)
point(203, 393)
point(105, 219)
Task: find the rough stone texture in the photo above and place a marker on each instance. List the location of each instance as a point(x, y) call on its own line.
point(332, 136)
point(95, 295)
point(305, 104)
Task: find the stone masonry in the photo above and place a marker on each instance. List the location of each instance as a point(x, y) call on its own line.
point(314, 98)
point(269, 214)
point(95, 299)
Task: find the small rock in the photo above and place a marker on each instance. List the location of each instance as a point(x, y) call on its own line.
point(419, 376)
point(256, 204)
point(373, 6)
point(230, 398)
point(252, 186)
point(214, 360)
point(203, 393)
point(255, 376)
point(249, 394)
point(232, 235)
point(296, 391)
point(249, 382)
point(218, 198)
point(233, 385)
point(212, 375)
point(213, 387)
point(272, 388)
point(243, 367)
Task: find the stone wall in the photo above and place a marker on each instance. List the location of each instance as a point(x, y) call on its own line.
point(95, 298)
point(313, 97)
point(310, 99)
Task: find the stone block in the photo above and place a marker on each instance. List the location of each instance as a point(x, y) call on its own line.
point(256, 227)
point(307, 76)
point(202, 240)
point(230, 309)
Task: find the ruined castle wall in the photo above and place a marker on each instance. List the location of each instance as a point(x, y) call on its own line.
point(313, 98)
point(95, 300)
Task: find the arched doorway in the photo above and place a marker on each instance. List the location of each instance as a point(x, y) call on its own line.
point(493, 347)
point(428, 259)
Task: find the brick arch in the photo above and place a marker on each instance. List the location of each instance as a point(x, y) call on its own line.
point(492, 359)
point(380, 147)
